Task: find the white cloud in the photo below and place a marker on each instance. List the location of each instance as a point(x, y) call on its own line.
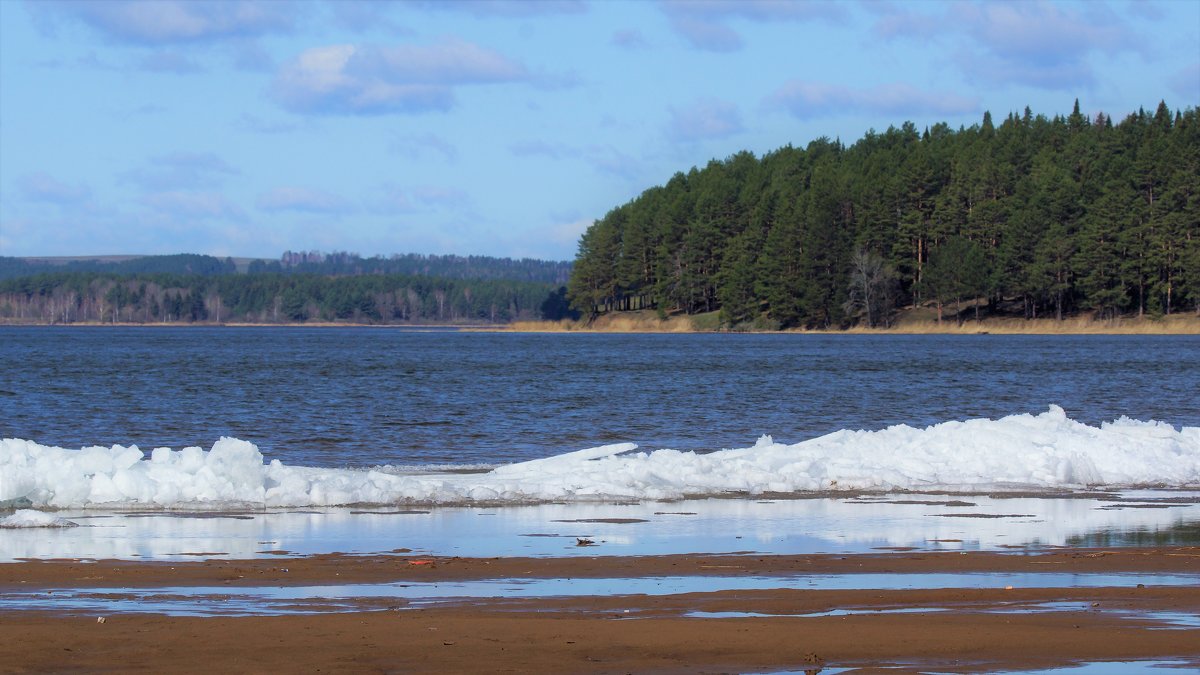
point(310, 200)
point(901, 21)
point(350, 79)
point(807, 100)
point(180, 170)
point(568, 233)
point(709, 35)
point(1040, 44)
point(1037, 31)
point(176, 21)
point(394, 198)
point(418, 146)
point(519, 9)
point(705, 23)
point(258, 125)
point(365, 15)
point(630, 39)
point(557, 240)
point(440, 195)
point(251, 57)
point(185, 205)
point(1144, 9)
point(168, 62)
point(1186, 83)
point(62, 234)
point(543, 148)
point(612, 160)
point(606, 158)
point(42, 187)
point(704, 119)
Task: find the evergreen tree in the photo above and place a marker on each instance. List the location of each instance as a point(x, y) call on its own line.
point(1066, 213)
point(957, 271)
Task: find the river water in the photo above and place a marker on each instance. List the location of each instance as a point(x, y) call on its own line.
point(435, 404)
point(357, 397)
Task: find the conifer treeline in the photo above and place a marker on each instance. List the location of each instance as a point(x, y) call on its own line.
point(1036, 216)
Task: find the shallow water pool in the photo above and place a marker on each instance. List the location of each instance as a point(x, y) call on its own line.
point(269, 600)
point(768, 526)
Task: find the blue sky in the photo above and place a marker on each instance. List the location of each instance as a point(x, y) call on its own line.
point(497, 128)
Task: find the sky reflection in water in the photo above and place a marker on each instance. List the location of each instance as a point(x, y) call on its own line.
point(818, 525)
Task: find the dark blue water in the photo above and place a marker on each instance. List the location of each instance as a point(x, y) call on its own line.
point(361, 397)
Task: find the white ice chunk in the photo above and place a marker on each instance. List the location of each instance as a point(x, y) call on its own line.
point(1038, 452)
point(24, 518)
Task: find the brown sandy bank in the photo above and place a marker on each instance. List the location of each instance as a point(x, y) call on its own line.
point(953, 629)
point(402, 566)
point(918, 321)
point(921, 321)
point(976, 635)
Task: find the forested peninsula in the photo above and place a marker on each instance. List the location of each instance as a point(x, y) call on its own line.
point(1035, 217)
point(297, 288)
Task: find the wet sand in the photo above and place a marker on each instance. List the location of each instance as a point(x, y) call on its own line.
point(955, 629)
point(405, 566)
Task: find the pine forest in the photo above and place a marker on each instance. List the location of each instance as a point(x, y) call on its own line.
point(1035, 217)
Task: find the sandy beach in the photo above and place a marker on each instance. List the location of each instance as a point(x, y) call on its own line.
point(993, 626)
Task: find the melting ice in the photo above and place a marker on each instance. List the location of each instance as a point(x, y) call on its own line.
point(1047, 452)
point(29, 518)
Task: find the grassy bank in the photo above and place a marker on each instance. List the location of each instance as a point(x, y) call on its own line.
point(918, 321)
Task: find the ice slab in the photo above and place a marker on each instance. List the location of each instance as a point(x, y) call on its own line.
point(1039, 452)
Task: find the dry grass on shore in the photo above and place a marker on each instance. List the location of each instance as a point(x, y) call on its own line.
point(923, 320)
point(919, 321)
point(911, 321)
point(1073, 326)
point(621, 322)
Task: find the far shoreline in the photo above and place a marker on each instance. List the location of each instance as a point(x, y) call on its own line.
point(910, 323)
point(649, 323)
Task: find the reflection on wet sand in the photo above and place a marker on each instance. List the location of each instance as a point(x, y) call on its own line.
point(950, 611)
point(900, 581)
point(779, 526)
point(274, 600)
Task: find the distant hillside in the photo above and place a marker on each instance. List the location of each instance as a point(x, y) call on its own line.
point(415, 264)
point(102, 297)
point(183, 263)
point(298, 288)
point(313, 262)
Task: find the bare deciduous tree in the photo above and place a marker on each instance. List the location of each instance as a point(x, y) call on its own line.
point(872, 288)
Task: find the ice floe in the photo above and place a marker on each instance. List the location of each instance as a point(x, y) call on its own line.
point(1048, 451)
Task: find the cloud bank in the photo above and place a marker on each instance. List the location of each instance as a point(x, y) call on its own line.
point(367, 80)
point(177, 21)
point(519, 9)
point(705, 24)
point(303, 199)
point(180, 170)
point(704, 119)
point(42, 187)
point(1037, 44)
point(807, 100)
